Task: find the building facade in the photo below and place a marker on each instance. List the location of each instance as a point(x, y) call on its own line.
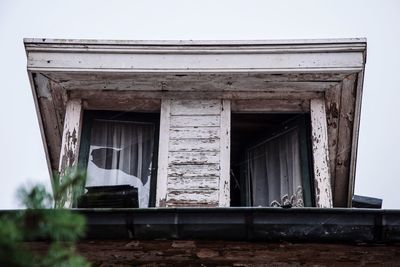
point(250, 143)
point(214, 124)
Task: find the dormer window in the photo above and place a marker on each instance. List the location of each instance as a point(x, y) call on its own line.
point(194, 92)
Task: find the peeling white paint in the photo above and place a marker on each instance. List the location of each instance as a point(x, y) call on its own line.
point(319, 138)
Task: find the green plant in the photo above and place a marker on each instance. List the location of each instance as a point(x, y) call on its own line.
point(59, 228)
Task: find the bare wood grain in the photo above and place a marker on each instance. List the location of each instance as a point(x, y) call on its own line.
point(195, 121)
point(194, 144)
point(271, 105)
point(196, 107)
point(333, 101)
point(344, 146)
point(194, 133)
point(198, 157)
point(192, 183)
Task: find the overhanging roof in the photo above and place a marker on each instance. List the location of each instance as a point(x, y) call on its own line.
point(124, 71)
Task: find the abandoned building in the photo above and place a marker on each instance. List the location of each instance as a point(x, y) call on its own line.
point(229, 141)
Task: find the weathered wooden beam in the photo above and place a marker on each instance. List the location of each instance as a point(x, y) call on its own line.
point(70, 141)
point(128, 104)
point(345, 143)
point(71, 135)
point(356, 128)
point(95, 80)
point(191, 83)
point(225, 150)
point(271, 105)
point(163, 151)
point(322, 176)
point(50, 115)
point(333, 101)
point(122, 96)
point(287, 56)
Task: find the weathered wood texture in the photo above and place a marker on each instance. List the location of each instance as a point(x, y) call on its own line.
point(70, 141)
point(51, 100)
point(98, 96)
point(138, 75)
point(225, 155)
point(319, 140)
point(195, 56)
point(121, 102)
point(271, 105)
point(162, 172)
point(332, 103)
point(195, 137)
point(344, 146)
point(71, 135)
point(358, 90)
point(193, 82)
point(229, 253)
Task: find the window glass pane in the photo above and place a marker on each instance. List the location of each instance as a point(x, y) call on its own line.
point(275, 171)
point(120, 153)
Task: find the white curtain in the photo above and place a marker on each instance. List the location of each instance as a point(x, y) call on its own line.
point(275, 173)
point(120, 154)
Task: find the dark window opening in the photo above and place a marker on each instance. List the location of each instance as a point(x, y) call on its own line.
point(270, 160)
point(119, 154)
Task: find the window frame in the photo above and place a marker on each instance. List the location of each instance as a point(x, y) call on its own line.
point(303, 122)
point(146, 117)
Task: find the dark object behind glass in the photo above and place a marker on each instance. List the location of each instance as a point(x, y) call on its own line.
point(113, 196)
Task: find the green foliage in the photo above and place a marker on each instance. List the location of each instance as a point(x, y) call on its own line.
point(59, 227)
point(67, 186)
point(36, 197)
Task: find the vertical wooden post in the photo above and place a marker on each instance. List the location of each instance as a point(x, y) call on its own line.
point(163, 150)
point(346, 146)
point(225, 143)
point(322, 177)
point(70, 140)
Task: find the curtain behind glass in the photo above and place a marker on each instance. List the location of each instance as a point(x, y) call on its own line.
point(275, 173)
point(120, 154)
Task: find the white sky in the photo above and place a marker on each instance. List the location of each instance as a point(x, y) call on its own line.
point(22, 156)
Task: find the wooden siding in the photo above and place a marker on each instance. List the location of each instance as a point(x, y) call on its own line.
point(194, 153)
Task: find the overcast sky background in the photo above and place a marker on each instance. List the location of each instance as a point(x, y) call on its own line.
point(22, 158)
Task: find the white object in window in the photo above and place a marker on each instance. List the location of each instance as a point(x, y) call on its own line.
point(120, 154)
